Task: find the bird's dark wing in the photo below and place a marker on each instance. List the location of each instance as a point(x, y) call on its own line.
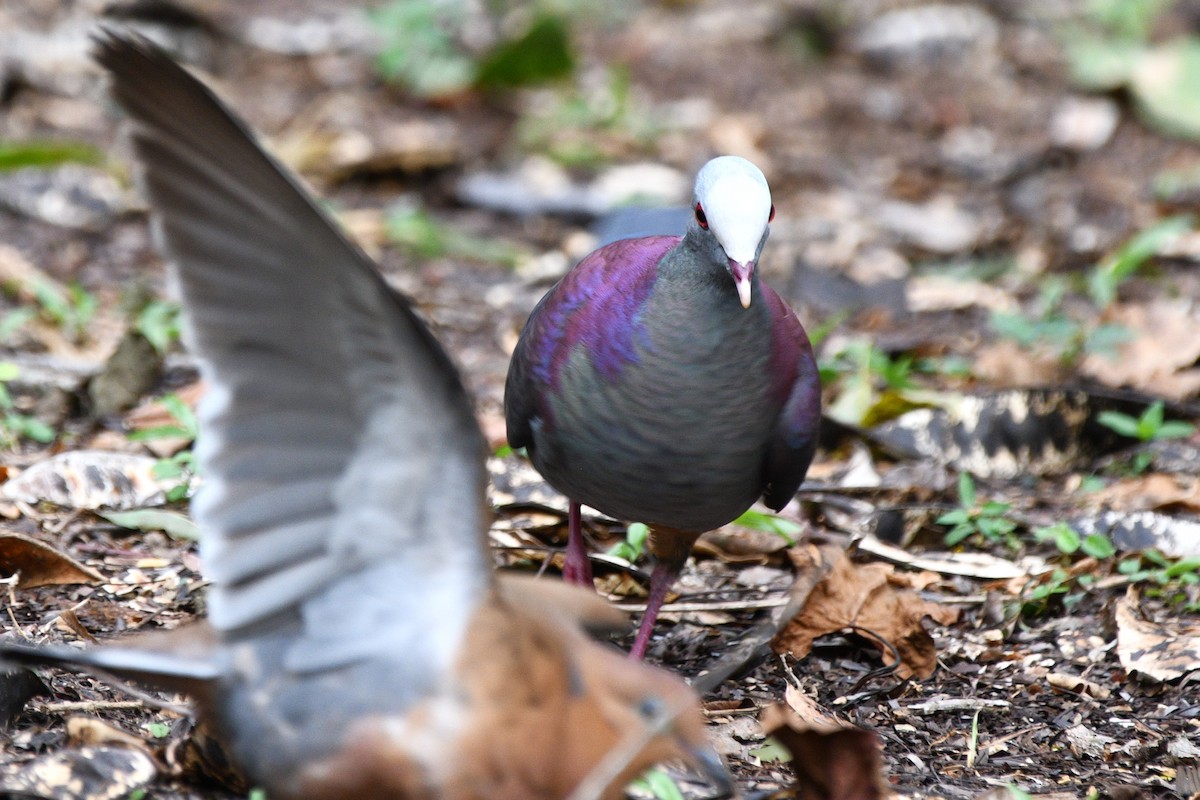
point(798, 384)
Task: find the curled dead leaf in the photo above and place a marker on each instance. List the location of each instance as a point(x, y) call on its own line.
point(740, 545)
point(831, 761)
point(89, 731)
point(866, 599)
point(39, 564)
point(1074, 683)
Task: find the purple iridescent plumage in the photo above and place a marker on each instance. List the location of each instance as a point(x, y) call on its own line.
point(598, 303)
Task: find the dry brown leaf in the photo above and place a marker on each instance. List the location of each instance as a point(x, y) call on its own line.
point(345, 134)
point(864, 597)
point(830, 763)
point(1074, 683)
point(734, 545)
point(1154, 491)
point(151, 413)
point(1161, 652)
point(38, 564)
point(1007, 364)
point(807, 713)
point(1145, 362)
point(89, 731)
point(69, 622)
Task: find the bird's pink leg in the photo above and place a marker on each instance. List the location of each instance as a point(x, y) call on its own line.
point(661, 579)
point(577, 569)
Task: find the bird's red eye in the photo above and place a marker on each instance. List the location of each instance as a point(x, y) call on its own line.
point(700, 217)
point(771, 217)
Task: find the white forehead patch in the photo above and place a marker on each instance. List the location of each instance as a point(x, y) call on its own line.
point(736, 202)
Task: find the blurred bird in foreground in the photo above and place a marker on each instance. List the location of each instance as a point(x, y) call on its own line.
point(358, 644)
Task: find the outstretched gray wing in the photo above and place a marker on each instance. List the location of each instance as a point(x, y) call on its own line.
point(342, 468)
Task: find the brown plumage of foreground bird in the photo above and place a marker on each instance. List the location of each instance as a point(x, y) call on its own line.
point(358, 644)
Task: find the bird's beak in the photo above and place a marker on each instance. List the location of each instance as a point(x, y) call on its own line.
point(741, 272)
point(706, 760)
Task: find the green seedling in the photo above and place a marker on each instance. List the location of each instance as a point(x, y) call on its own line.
point(659, 784)
point(770, 523)
point(1164, 577)
point(635, 542)
point(1105, 279)
point(70, 310)
point(872, 385)
point(1149, 427)
point(14, 425)
point(419, 45)
point(1109, 48)
point(987, 522)
point(159, 322)
point(181, 466)
point(158, 730)
point(582, 126)
point(1051, 327)
point(1068, 541)
point(1059, 584)
point(426, 51)
point(771, 751)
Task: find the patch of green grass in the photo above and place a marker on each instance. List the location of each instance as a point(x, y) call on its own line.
point(417, 232)
point(15, 425)
point(583, 125)
point(18, 155)
point(871, 386)
point(429, 49)
point(1049, 326)
point(159, 322)
point(1107, 276)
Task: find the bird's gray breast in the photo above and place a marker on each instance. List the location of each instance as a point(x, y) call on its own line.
point(677, 436)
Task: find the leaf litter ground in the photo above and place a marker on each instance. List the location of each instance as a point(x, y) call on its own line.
point(921, 194)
